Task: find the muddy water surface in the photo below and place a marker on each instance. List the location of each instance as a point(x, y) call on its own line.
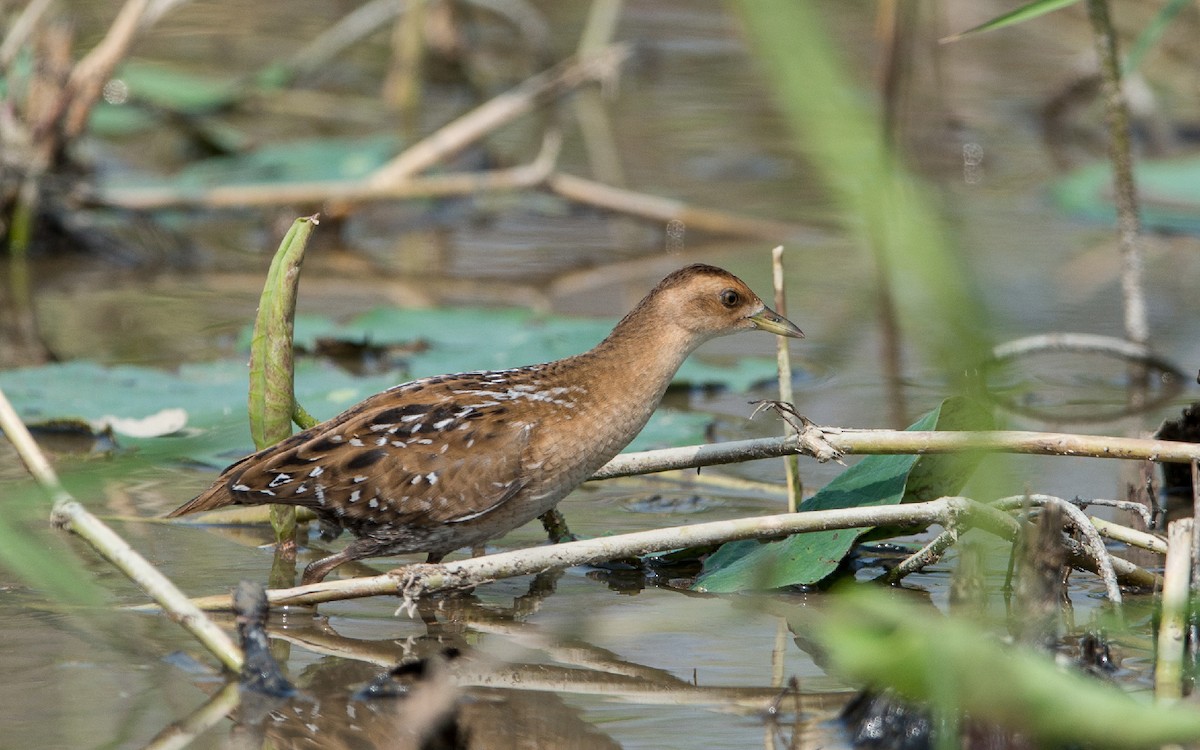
point(589, 659)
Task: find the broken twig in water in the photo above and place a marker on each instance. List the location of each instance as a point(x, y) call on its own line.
point(486, 118)
point(1132, 537)
point(1092, 543)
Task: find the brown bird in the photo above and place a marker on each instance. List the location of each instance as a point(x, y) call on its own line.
point(454, 460)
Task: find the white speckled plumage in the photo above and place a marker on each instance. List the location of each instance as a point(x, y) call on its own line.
point(451, 461)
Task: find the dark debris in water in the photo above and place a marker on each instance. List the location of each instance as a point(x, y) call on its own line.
point(260, 672)
point(74, 437)
point(399, 680)
point(1177, 478)
point(362, 357)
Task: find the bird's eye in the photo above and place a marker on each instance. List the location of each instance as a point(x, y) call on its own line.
point(730, 298)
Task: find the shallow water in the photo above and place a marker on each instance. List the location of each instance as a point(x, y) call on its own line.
point(596, 663)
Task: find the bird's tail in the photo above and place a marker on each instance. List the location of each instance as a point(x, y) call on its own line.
point(217, 496)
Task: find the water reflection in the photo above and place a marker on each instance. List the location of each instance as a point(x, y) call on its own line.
point(478, 676)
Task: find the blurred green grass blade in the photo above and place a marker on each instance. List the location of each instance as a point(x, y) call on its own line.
point(1020, 15)
point(874, 637)
point(271, 357)
point(23, 551)
point(888, 209)
point(1152, 33)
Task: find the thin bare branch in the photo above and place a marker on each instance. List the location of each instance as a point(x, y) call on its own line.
point(95, 69)
point(904, 441)
point(489, 116)
point(1092, 543)
point(21, 30)
point(1126, 535)
point(665, 210)
point(414, 580)
point(1129, 225)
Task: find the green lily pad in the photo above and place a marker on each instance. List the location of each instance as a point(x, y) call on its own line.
point(876, 480)
point(177, 90)
point(1168, 192)
point(214, 397)
point(310, 160)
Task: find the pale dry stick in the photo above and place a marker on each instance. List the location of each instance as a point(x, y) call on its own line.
point(591, 115)
point(636, 684)
point(783, 362)
point(402, 81)
point(722, 482)
point(387, 653)
point(1193, 621)
point(665, 210)
point(20, 31)
point(1120, 151)
point(1092, 543)
point(1132, 537)
point(91, 73)
point(416, 579)
point(216, 709)
point(556, 679)
point(927, 555)
point(600, 27)
point(523, 16)
point(498, 111)
point(892, 442)
point(343, 191)
point(665, 690)
point(157, 9)
point(1133, 508)
point(1168, 667)
point(1060, 341)
point(68, 513)
point(363, 21)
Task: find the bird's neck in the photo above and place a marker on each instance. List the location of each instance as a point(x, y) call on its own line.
point(633, 366)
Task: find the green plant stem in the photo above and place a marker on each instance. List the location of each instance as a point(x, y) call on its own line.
point(791, 464)
point(271, 399)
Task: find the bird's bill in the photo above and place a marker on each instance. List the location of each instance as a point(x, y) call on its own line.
point(768, 320)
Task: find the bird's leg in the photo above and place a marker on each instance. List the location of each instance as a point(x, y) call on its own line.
point(356, 550)
point(555, 524)
point(317, 570)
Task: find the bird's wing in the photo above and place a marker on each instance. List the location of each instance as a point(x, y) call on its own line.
point(421, 457)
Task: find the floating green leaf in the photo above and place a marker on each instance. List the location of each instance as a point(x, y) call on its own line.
point(310, 160)
point(876, 480)
point(1169, 193)
point(214, 396)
